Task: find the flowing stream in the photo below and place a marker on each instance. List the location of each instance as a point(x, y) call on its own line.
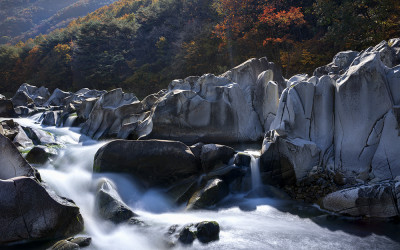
point(246, 223)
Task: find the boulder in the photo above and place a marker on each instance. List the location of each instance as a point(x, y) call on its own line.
point(32, 212)
point(286, 161)
point(187, 235)
point(214, 155)
point(21, 98)
point(37, 95)
point(242, 159)
point(367, 200)
point(152, 162)
point(110, 205)
point(110, 112)
point(339, 65)
point(51, 118)
point(10, 129)
point(21, 140)
point(207, 231)
point(212, 193)
point(12, 164)
point(58, 98)
point(40, 137)
point(37, 155)
point(214, 110)
point(6, 108)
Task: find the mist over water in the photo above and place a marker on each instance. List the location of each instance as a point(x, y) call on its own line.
point(256, 223)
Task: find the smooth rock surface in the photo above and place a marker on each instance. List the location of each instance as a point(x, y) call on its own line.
point(152, 162)
point(367, 200)
point(32, 212)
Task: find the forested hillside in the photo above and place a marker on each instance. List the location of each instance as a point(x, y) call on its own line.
point(141, 45)
point(23, 19)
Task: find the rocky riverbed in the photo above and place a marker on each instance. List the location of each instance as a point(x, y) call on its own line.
point(331, 140)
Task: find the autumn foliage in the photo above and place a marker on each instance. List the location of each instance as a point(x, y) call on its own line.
point(141, 45)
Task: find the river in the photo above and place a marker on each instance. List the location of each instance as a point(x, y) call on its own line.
point(246, 223)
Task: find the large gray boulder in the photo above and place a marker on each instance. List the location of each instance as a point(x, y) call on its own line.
point(109, 113)
point(367, 200)
point(32, 212)
point(153, 162)
point(30, 94)
point(12, 164)
point(58, 98)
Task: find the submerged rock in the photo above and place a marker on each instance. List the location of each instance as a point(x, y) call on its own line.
point(153, 162)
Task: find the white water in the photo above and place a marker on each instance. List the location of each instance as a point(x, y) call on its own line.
point(245, 223)
point(255, 172)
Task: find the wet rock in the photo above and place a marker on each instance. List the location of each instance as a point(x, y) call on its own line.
point(11, 162)
point(208, 231)
point(72, 243)
point(213, 155)
point(366, 200)
point(187, 235)
point(6, 108)
point(64, 245)
point(37, 155)
point(110, 205)
point(40, 137)
point(32, 212)
point(213, 192)
point(153, 162)
point(242, 159)
point(51, 118)
point(183, 190)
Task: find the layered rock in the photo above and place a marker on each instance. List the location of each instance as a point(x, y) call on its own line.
point(343, 121)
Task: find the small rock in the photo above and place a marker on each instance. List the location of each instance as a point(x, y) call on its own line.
point(339, 179)
point(187, 235)
point(208, 231)
point(37, 155)
point(242, 159)
point(81, 241)
point(214, 191)
point(64, 245)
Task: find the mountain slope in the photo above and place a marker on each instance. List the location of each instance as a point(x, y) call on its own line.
point(23, 19)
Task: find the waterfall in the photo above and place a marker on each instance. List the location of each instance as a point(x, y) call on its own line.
point(70, 120)
point(255, 172)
